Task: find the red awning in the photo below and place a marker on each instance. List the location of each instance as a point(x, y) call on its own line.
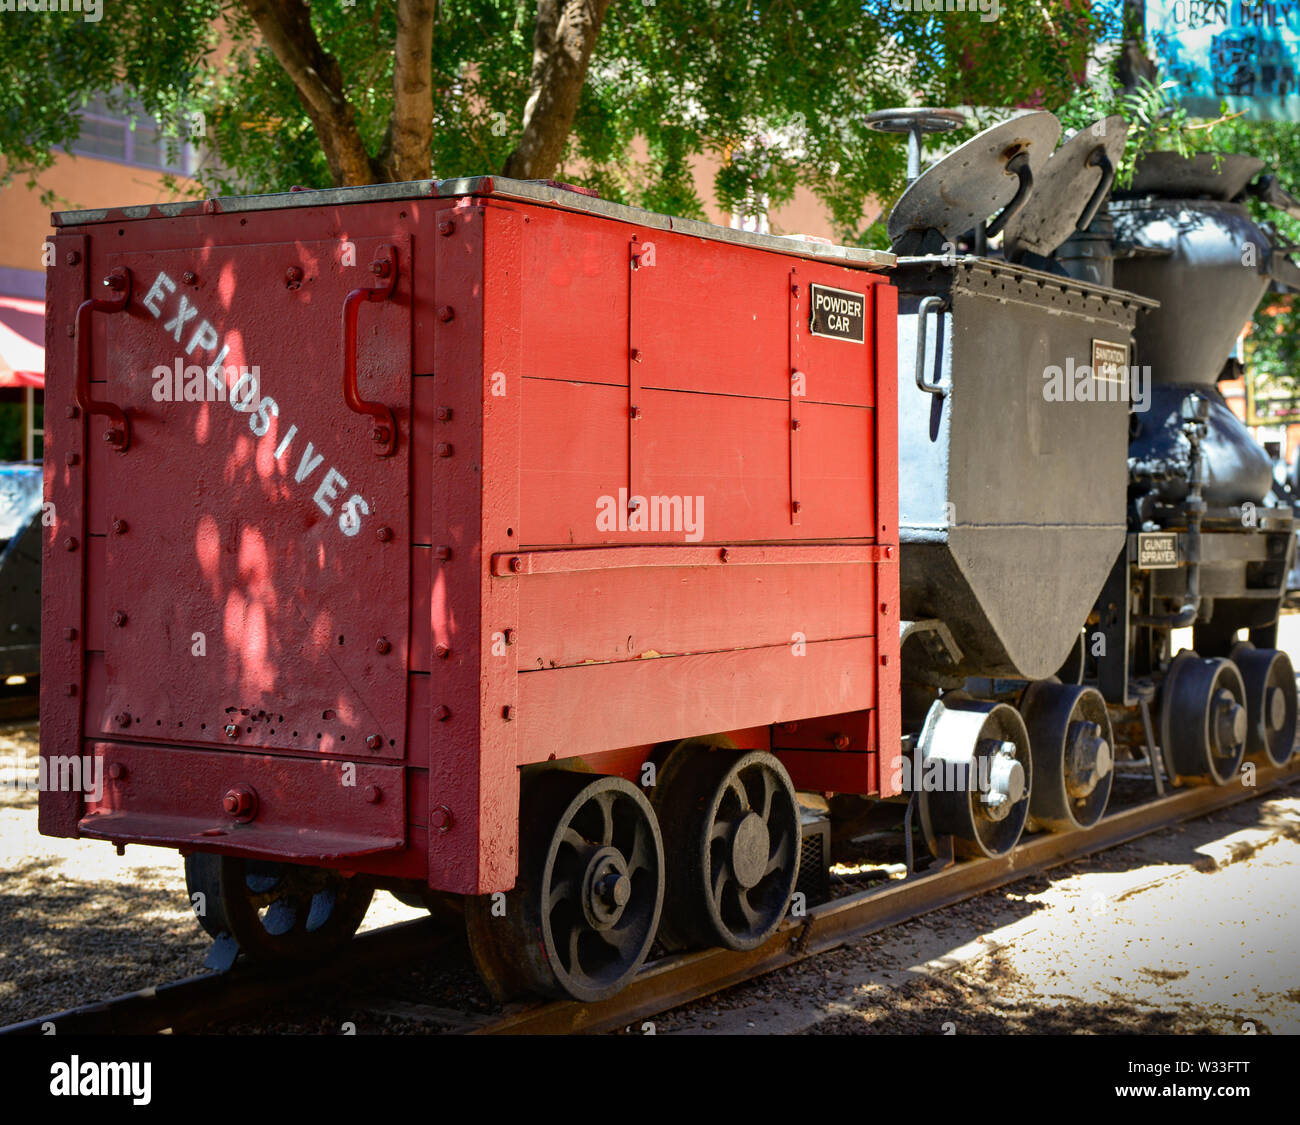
point(22, 348)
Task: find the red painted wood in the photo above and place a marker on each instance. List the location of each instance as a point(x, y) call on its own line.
point(889, 718)
point(586, 709)
point(831, 771)
point(733, 452)
point(306, 810)
point(507, 355)
point(560, 561)
point(638, 614)
point(64, 539)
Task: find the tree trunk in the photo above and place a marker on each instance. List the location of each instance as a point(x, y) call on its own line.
point(563, 39)
point(410, 156)
point(286, 27)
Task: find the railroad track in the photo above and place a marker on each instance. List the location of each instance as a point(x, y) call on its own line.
point(245, 989)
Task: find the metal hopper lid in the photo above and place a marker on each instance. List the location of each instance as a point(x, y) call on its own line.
point(1205, 175)
point(1067, 189)
point(972, 181)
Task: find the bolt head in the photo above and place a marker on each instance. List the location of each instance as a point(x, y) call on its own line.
point(293, 275)
point(70, 634)
point(232, 731)
point(119, 618)
point(373, 742)
point(516, 564)
point(443, 553)
point(116, 771)
point(113, 436)
point(445, 227)
point(119, 527)
point(379, 434)
point(441, 652)
point(446, 313)
point(240, 801)
point(508, 713)
point(188, 277)
point(443, 449)
point(70, 543)
point(72, 257)
point(442, 712)
point(443, 414)
point(123, 719)
point(383, 534)
point(382, 646)
point(72, 458)
point(441, 818)
point(373, 794)
point(70, 412)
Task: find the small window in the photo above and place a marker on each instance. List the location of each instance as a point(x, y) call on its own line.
point(129, 137)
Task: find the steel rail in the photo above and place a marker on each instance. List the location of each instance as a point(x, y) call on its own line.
point(247, 988)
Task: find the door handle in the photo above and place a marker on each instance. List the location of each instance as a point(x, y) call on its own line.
point(118, 283)
point(384, 267)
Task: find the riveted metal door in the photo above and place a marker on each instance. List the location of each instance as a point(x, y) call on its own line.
point(256, 528)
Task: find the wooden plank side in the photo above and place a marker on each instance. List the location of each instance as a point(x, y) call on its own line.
point(636, 613)
point(726, 456)
point(568, 712)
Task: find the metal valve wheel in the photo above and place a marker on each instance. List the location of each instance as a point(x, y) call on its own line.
point(731, 836)
point(585, 908)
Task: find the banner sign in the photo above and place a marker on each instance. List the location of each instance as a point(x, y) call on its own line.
point(1243, 52)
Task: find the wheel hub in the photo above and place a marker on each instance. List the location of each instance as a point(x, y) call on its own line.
point(1089, 760)
point(749, 850)
point(1006, 780)
point(607, 888)
point(1276, 708)
point(1229, 722)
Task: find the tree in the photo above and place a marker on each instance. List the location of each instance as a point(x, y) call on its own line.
point(620, 95)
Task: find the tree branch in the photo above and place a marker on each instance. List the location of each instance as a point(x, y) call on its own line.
point(563, 39)
point(286, 28)
point(411, 133)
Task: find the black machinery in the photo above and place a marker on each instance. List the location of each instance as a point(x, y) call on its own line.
point(1072, 486)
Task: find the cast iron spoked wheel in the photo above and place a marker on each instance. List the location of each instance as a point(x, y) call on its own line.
point(1203, 718)
point(1270, 702)
point(585, 908)
point(1072, 747)
point(732, 838)
point(276, 911)
point(976, 776)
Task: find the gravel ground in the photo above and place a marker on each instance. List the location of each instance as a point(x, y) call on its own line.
point(1189, 930)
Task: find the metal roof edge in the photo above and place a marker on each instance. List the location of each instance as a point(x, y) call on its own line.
point(530, 191)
